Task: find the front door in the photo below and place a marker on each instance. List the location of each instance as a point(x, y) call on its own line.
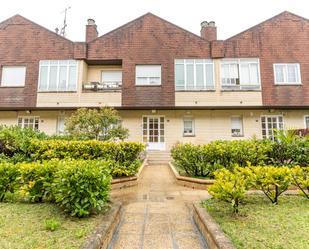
point(153, 132)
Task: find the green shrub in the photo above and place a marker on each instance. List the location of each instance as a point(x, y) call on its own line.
point(300, 177)
point(8, 179)
point(231, 186)
point(82, 187)
point(124, 169)
point(88, 150)
point(289, 149)
point(273, 181)
point(14, 142)
point(36, 178)
point(51, 224)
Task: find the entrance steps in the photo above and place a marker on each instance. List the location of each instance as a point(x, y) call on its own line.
point(158, 157)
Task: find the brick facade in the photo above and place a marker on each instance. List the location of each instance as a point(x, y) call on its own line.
point(152, 40)
point(24, 43)
point(281, 39)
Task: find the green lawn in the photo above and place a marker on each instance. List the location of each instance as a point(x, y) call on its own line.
point(22, 226)
point(262, 225)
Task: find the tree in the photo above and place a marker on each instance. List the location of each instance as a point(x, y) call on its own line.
point(100, 124)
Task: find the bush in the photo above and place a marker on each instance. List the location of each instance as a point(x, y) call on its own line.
point(289, 149)
point(15, 141)
point(82, 187)
point(87, 150)
point(231, 186)
point(8, 179)
point(36, 178)
point(273, 181)
point(300, 176)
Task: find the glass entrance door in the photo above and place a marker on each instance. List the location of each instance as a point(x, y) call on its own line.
point(153, 132)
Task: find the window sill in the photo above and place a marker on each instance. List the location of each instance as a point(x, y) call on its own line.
point(202, 90)
point(193, 135)
point(12, 86)
point(240, 90)
point(288, 84)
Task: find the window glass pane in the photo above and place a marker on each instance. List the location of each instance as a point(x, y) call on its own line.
point(254, 74)
point(292, 73)
point(307, 122)
point(236, 126)
point(53, 78)
point(148, 74)
point(190, 76)
point(199, 76)
point(72, 78)
point(179, 77)
point(188, 127)
point(43, 78)
point(279, 71)
point(245, 74)
point(111, 76)
point(209, 75)
point(13, 76)
point(62, 78)
point(225, 74)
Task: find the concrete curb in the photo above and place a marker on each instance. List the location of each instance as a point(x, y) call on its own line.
point(190, 182)
point(103, 234)
point(124, 182)
point(215, 237)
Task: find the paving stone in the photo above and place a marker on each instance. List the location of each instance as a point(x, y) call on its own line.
point(162, 241)
point(128, 241)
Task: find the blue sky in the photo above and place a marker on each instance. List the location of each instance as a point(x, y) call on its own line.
point(231, 17)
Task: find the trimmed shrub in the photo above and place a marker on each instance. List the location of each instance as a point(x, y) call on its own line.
point(8, 179)
point(231, 186)
point(36, 178)
point(15, 141)
point(88, 150)
point(273, 181)
point(300, 176)
point(82, 187)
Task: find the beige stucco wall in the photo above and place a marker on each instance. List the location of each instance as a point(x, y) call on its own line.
point(81, 99)
point(218, 97)
point(209, 124)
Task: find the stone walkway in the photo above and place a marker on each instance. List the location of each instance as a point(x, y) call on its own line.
point(157, 214)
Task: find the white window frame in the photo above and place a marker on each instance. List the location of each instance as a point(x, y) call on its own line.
point(285, 76)
point(7, 84)
point(29, 117)
point(111, 84)
point(266, 125)
point(147, 82)
point(195, 62)
point(193, 127)
point(58, 63)
point(240, 85)
point(241, 133)
point(305, 123)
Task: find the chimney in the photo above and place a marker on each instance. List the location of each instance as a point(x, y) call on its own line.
point(91, 30)
point(209, 31)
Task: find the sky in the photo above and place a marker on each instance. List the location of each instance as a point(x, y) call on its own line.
point(231, 16)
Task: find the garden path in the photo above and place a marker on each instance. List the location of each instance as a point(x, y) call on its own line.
point(157, 213)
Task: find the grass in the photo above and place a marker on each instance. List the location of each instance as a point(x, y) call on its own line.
point(261, 224)
point(23, 226)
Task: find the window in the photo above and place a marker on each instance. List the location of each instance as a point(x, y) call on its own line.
point(61, 124)
point(188, 126)
point(240, 74)
point(237, 126)
point(13, 76)
point(112, 78)
point(270, 123)
point(148, 75)
point(194, 74)
point(287, 74)
point(29, 122)
point(307, 122)
point(58, 75)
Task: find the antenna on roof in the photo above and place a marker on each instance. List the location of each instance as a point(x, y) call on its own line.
point(62, 30)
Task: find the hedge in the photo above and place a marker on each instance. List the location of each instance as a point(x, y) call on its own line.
point(79, 187)
point(122, 152)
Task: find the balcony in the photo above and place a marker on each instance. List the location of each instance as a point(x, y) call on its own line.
point(95, 86)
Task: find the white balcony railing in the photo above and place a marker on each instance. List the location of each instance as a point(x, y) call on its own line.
point(106, 85)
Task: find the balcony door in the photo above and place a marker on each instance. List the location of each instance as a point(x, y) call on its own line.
point(153, 132)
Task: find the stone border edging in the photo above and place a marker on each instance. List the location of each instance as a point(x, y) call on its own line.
point(190, 182)
point(215, 237)
point(129, 181)
point(103, 234)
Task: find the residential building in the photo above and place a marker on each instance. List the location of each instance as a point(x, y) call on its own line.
point(168, 84)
